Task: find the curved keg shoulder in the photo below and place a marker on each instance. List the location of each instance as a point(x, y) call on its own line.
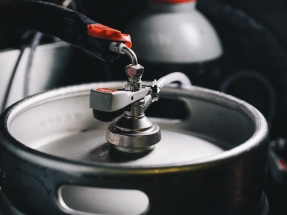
point(51, 139)
point(174, 33)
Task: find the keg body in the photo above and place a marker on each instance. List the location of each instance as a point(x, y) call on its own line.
point(170, 37)
point(227, 181)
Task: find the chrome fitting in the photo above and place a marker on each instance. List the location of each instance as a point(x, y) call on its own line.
point(121, 48)
point(117, 47)
point(133, 134)
point(134, 75)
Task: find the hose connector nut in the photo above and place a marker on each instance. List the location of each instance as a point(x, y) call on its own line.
point(134, 74)
point(137, 70)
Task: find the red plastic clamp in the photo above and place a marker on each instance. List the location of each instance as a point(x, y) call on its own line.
point(104, 32)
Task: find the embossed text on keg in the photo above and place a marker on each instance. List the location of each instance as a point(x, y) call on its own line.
point(58, 119)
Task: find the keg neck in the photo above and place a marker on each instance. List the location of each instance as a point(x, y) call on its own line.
point(171, 8)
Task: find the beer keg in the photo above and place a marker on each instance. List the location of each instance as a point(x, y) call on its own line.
point(212, 157)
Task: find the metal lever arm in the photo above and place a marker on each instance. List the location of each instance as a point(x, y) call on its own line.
point(113, 100)
point(108, 104)
point(109, 100)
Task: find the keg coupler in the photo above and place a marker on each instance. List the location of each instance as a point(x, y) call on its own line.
point(133, 132)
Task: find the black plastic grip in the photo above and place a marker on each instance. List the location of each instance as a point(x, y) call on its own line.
point(109, 116)
point(68, 25)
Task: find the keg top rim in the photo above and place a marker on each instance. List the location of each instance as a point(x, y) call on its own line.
point(12, 145)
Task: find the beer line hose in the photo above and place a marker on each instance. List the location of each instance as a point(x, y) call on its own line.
point(131, 54)
point(8, 89)
point(35, 42)
point(175, 76)
point(70, 26)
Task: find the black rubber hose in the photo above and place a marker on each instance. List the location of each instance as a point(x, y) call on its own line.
point(68, 25)
point(34, 44)
point(8, 89)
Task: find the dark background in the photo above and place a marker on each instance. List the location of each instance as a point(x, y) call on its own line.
point(273, 13)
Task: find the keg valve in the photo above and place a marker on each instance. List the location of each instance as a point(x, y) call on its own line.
point(132, 132)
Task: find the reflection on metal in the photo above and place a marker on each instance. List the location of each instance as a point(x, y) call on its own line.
point(49, 67)
point(132, 55)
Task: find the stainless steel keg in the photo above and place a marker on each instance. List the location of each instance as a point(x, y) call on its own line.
point(54, 157)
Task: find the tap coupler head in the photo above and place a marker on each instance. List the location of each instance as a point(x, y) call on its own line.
point(133, 132)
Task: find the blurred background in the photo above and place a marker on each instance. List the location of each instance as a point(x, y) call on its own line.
point(247, 58)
